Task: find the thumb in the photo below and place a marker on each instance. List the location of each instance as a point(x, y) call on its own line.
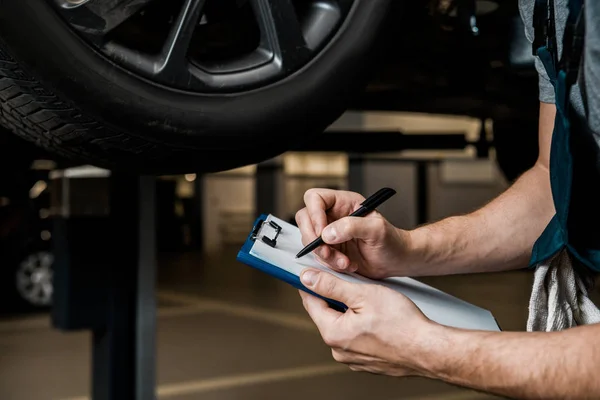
point(329, 286)
point(348, 228)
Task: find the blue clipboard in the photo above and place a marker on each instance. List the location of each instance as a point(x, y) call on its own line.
point(275, 271)
point(273, 240)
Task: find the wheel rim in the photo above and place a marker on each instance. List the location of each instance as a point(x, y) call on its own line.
point(184, 44)
point(34, 278)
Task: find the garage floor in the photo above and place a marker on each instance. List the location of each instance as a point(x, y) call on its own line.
point(227, 331)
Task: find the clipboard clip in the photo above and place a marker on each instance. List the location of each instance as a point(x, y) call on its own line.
point(259, 228)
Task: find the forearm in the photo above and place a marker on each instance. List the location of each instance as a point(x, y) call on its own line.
point(498, 236)
point(536, 365)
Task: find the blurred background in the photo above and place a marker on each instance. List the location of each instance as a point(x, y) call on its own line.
point(225, 330)
point(445, 112)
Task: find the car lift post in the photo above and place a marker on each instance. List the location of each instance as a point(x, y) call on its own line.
point(105, 279)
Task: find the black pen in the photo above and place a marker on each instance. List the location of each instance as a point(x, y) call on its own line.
point(365, 208)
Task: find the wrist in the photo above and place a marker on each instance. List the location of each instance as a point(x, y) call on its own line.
point(407, 257)
point(418, 251)
point(438, 248)
point(433, 344)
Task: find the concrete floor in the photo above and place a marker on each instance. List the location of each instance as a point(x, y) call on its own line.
point(226, 331)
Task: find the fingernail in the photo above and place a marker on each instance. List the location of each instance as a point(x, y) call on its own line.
point(329, 234)
point(341, 263)
point(309, 278)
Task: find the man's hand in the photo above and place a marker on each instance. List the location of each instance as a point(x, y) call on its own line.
point(370, 246)
point(497, 237)
point(382, 331)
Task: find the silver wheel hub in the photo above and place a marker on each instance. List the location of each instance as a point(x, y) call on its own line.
point(34, 278)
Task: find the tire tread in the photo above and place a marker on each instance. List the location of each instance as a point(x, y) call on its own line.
point(35, 113)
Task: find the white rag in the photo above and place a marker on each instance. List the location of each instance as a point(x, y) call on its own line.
point(559, 298)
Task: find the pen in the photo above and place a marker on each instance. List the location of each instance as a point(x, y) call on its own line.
point(365, 208)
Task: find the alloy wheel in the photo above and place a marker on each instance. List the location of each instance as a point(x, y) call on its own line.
point(34, 278)
point(207, 46)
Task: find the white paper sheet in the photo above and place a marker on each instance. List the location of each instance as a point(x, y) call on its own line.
point(435, 304)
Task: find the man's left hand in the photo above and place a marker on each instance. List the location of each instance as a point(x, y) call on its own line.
point(382, 332)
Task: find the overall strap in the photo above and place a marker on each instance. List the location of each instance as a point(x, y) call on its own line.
point(544, 24)
point(573, 42)
point(540, 25)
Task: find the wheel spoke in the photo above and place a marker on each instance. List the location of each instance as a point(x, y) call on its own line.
point(96, 18)
point(170, 66)
point(35, 293)
point(47, 290)
point(345, 5)
point(173, 57)
point(289, 38)
point(281, 31)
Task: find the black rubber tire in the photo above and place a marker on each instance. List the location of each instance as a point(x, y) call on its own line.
point(21, 241)
point(58, 92)
point(15, 300)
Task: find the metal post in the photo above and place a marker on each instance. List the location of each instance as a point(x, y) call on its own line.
point(422, 193)
point(195, 215)
point(105, 278)
point(124, 348)
point(270, 190)
point(483, 141)
point(145, 339)
point(356, 179)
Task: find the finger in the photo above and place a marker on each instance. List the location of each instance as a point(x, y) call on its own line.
point(357, 368)
point(320, 201)
point(343, 357)
point(348, 228)
point(333, 258)
point(319, 311)
point(306, 226)
point(331, 287)
point(307, 230)
point(338, 259)
point(351, 357)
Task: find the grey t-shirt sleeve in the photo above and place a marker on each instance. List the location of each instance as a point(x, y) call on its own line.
point(546, 90)
point(591, 68)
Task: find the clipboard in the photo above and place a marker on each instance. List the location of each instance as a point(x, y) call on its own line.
point(271, 247)
point(249, 257)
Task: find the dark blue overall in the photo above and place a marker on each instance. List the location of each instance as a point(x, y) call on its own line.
point(574, 176)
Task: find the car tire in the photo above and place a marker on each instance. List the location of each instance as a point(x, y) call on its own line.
point(23, 272)
point(33, 280)
point(60, 93)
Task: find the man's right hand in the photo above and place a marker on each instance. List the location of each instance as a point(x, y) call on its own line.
point(368, 245)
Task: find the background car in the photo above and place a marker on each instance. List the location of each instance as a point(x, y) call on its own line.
point(26, 257)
